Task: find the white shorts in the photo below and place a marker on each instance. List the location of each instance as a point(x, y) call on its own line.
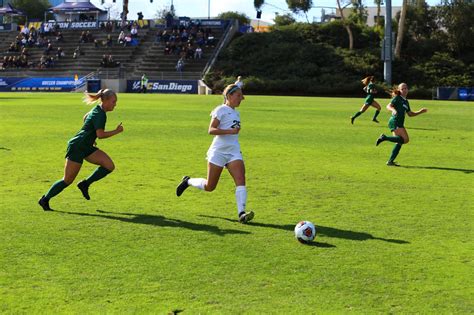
point(222, 159)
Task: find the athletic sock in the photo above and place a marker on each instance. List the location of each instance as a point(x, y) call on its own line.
point(396, 139)
point(356, 115)
point(55, 189)
point(395, 151)
point(377, 112)
point(199, 183)
point(98, 174)
point(241, 198)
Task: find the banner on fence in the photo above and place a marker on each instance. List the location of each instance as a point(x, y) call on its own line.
point(39, 84)
point(164, 86)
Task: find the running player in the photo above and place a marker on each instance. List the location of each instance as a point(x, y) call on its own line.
point(224, 152)
point(82, 147)
point(399, 105)
point(369, 87)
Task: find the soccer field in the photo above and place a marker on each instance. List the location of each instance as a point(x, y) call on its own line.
point(389, 239)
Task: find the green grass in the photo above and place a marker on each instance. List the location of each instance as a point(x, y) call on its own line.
point(390, 240)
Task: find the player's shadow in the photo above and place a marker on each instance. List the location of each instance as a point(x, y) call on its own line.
point(156, 220)
point(426, 129)
point(6, 149)
point(322, 231)
point(467, 171)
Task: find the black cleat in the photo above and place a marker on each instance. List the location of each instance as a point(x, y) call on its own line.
point(182, 186)
point(44, 203)
point(392, 163)
point(245, 217)
point(380, 139)
point(375, 120)
point(352, 119)
point(84, 188)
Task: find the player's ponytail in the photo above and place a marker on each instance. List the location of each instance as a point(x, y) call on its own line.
point(91, 98)
point(365, 81)
point(395, 91)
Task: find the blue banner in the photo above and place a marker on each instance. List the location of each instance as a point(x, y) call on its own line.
point(39, 84)
point(164, 86)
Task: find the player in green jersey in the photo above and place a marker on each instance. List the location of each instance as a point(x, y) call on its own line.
point(82, 147)
point(369, 87)
point(399, 106)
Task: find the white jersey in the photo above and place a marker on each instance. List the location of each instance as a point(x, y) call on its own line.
point(229, 118)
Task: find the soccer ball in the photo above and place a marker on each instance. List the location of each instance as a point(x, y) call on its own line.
point(305, 232)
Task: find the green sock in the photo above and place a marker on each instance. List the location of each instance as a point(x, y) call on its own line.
point(98, 174)
point(395, 151)
point(356, 115)
point(56, 188)
point(377, 112)
point(396, 139)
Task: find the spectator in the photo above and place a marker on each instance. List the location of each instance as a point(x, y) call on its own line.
point(59, 53)
point(198, 53)
point(180, 65)
point(143, 83)
point(108, 41)
point(121, 38)
point(134, 31)
point(48, 49)
point(104, 62)
point(59, 37)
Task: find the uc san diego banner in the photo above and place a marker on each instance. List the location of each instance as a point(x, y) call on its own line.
point(39, 84)
point(165, 86)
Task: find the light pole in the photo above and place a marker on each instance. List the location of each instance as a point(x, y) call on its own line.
point(387, 44)
point(208, 9)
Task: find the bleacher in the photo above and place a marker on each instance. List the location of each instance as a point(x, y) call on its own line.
point(147, 57)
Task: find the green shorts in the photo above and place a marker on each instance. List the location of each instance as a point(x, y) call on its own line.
point(77, 153)
point(393, 124)
point(369, 99)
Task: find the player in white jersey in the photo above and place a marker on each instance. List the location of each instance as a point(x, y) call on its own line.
point(224, 152)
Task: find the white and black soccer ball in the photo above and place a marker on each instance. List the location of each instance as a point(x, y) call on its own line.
point(305, 232)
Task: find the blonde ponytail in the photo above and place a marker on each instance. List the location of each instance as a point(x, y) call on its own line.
point(91, 98)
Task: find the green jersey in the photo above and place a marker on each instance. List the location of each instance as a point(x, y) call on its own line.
point(402, 106)
point(371, 89)
point(86, 137)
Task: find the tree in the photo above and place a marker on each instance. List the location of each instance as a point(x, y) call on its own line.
point(401, 29)
point(285, 19)
point(258, 4)
point(377, 17)
point(346, 25)
point(34, 9)
point(456, 17)
point(124, 11)
point(296, 6)
point(229, 15)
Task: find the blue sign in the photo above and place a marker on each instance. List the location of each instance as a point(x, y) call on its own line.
point(164, 86)
point(466, 94)
point(39, 84)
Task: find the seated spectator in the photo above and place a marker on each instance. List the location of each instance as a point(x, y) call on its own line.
point(96, 43)
point(47, 28)
point(89, 36)
point(104, 61)
point(112, 63)
point(134, 31)
point(48, 49)
point(59, 37)
point(189, 52)
point(167, 50)
point(25, 52)
point(128, 40)
point(25, 31)
point(159, 35)
point(198, 53)
point(83, 37)
point(108, 41)
point(121, 38)
point(59, 53)
point(180, 65)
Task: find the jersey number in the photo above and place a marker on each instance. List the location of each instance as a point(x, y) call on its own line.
point(236, 124)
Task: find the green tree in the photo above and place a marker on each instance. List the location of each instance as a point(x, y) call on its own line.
point(229, 15)
point(457, 18)
point(285, 19)
point(34, 9)
point(258, 4)
point(296, 6)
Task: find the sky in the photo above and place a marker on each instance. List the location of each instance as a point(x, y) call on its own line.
point(201, 8)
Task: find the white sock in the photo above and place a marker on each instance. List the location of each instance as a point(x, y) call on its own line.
point(241, 197)
point(197, 182)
